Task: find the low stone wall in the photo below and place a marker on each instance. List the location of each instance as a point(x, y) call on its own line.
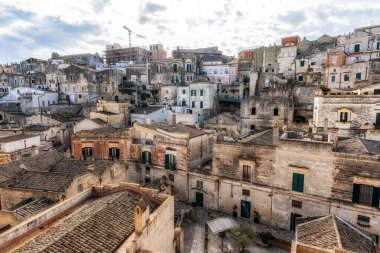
point(40, 219)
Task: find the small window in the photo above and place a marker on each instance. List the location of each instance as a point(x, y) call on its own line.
point(313, 63)
point(246, 192)
point(80, 187)
point(192, 104)
point(275, 111)
point(246, 173)
point(300, 78)
point(193, 92)
point(302, 63)
point(201, 92)
point(253, 111)
point(358, 76)
point(171, 177)
point(357, 48)
point(343, 117)
point(175, 67)
point(183, 91)
point(199, 184)
point(253, 127)
point(296, 203)
point(333, 79)
point(298, 182)
point(378, 45)
point(346, 78)
point(201, 104)
point(80, 96)
point(376, 92)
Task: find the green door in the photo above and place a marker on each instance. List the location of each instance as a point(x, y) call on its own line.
point(245, 209)
point(199, 199)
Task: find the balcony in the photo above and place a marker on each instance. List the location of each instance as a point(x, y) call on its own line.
point(171, 166)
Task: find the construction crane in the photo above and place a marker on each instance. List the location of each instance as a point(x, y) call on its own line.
point(130, 32)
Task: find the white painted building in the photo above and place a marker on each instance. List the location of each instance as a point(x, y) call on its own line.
point(151, 114)
point(34, 103)
point(168, 94)
point(218, 72)
point(15, 143)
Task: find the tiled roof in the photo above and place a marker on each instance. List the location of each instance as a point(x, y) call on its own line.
point(332, 232)
point(146, 110)
point(98, 225)
point(40, 181)
point(29, 209)
point(359, 146)
point(175, 128)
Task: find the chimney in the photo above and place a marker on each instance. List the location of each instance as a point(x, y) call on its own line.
point(141, 216)
point(333, 137)
point(325, 124)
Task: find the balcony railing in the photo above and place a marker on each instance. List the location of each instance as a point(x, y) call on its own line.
point(171, 166)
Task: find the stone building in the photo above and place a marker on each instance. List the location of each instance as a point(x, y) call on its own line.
point(116, 218)
point(115, 53)
point(352, 113)
point(221, 73)
point(15, 146)
point(114, 114)
point(287, 56)
point(271, 105)
point(168, 94)
point(245, 63)
point(174, 71)
point(270, 63)
point(156, 52)
point(80, 84)
point(53, 176)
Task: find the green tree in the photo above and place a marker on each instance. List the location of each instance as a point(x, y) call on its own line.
point(242, 237)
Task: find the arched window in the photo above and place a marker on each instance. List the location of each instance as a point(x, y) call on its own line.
point(226, 71)
point(146, 157)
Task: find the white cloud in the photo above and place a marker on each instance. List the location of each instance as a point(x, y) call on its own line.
point(87, 26)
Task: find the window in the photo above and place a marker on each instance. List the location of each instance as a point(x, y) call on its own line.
point(175, 67)
point(201, 104)
point(296, 203)
point(170, 162)
point(171, 178)
point(80, 96)
point(333, 79)
point(43, 103)
point(192, 104)
point(343, 117)
point(87, 152)
point(358, 76)
point(226, 71)
point(346, 78)
point(80, 187)
point(183, 91)
point(215, 71)
point(114, 153)
point(300, 78)
point(376, 92)
point(275, 112)
point(199, 184)
point(334, 59)
point(302, 63)
point(183, 102)
point(313, 63)
point(366, 195)
point(378, 45)
point(246, 173)
point(298, 182)
point(112, 174)
point(253, 111)
point(246, 192)
point(253, 127)
point(158, 68)
point(188, 67)
point(357, 48)
point(146, 157)
point(201, 92)
point(193, 92)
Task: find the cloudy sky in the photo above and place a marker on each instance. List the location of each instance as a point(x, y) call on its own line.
point(35, 28)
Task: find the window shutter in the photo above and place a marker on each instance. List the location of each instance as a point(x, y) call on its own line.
point(173, 159)
point(300, 182)
point(356, 193)
point(295, 182)
point(149, 156)
point(375, 197)
point(166, 159)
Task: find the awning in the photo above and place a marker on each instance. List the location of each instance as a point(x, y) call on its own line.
point(221, 224)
